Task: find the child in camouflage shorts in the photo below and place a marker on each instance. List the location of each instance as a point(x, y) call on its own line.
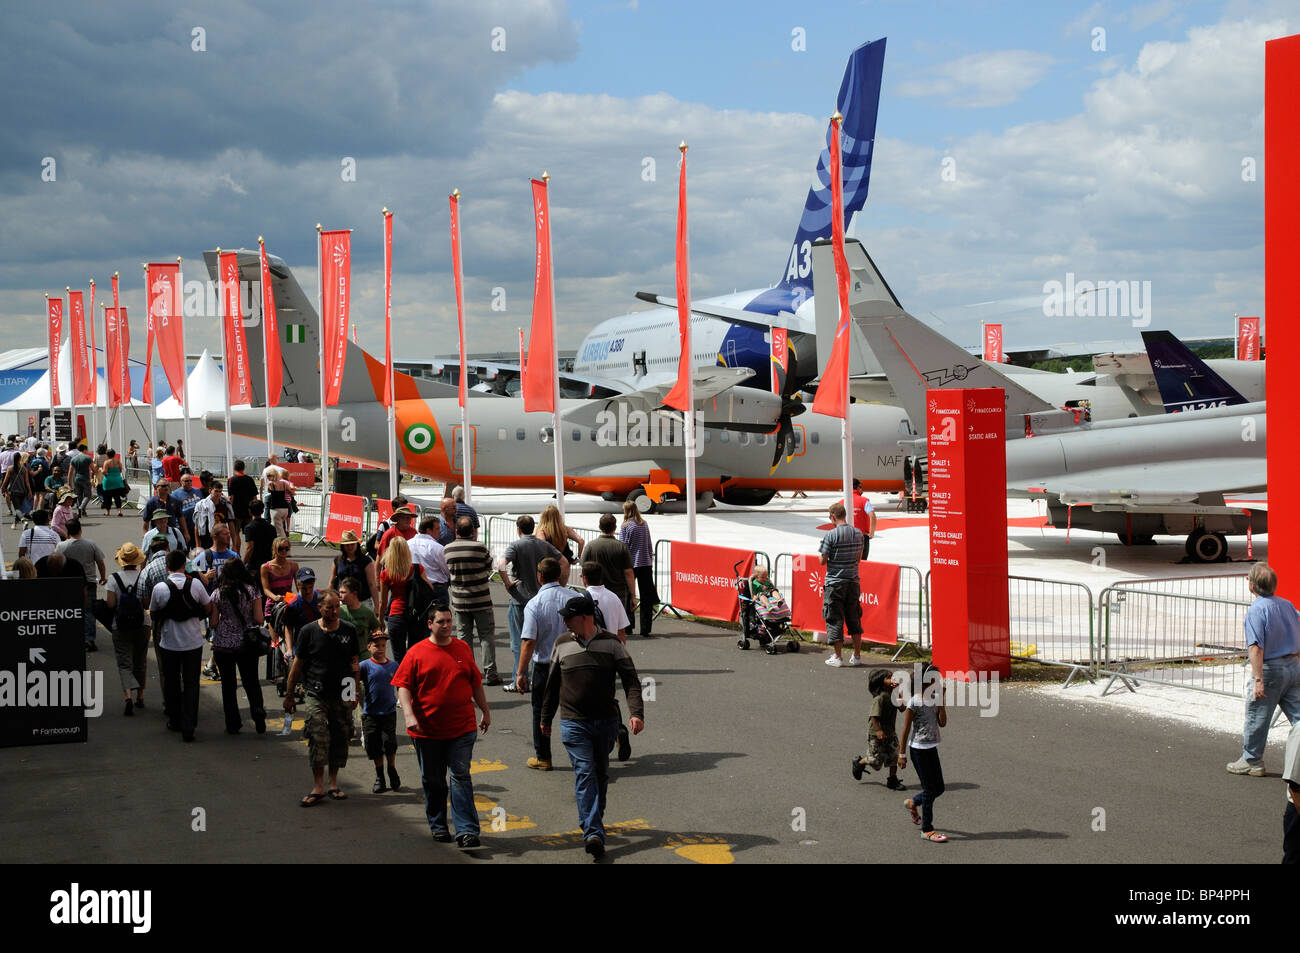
point(882, 738)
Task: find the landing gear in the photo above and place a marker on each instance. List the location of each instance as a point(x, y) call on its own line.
point(1137, 540)
point(1204, 547)
point(643, 502)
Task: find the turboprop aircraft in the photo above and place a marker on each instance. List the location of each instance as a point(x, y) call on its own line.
point(1170, 474)
point(617, 447)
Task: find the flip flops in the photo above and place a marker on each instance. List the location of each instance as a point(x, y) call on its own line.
point(934, 837)
point(311, 800)
point(916, 813)
point(336, 795)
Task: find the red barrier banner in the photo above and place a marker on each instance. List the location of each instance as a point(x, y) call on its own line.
point(1247, 339)
point(879, 599)
point(345, 513)
point(300, 474)
point(704, 579)
point(384, 508)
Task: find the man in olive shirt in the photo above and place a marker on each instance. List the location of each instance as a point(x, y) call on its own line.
point(615, 561)
point(325, 662)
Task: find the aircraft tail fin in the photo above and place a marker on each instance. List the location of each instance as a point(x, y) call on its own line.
point(1186, 382)
point(858, 103)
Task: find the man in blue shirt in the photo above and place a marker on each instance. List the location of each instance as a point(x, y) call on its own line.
point(1273, 647)
point(187, 497)
point(542, 626)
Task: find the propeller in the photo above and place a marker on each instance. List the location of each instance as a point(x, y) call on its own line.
point(791, 405)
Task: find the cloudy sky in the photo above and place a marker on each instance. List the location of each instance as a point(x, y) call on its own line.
point(1107, 141)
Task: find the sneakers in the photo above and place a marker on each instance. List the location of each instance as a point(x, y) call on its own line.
point(394, 781)
point(443, 837)
point(595, 847)
point(624, 743)
point(468, 841)
point(491, 680)
point(380, 787)
point(895, 785)
point(855, 661)
point(857, 767)
point(834, 661)
point(538, 764)
point(1242, 766)
point(210, 671)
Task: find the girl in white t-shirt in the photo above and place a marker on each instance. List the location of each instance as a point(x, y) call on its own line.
point(924, 717)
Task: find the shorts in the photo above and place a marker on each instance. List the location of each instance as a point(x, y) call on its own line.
point(380, 734)
point(881, 752)
point(840, 607)
point(327, 727)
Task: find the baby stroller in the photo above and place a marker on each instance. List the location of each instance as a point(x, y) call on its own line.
point(764, 616)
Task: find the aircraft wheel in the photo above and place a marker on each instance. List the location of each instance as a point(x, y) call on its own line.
point(1206, 547)
point(643, 502)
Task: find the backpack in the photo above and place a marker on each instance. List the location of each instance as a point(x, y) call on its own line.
point(129, 613)
point(372, 541)
point(181, 606)
point(419, 597)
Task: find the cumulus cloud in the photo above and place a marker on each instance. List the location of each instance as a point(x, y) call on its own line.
point(981, 79)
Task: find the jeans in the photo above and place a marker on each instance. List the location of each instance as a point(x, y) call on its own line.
point(485, 624)
point(588, 744)
point(930, 773)
point(437, 756)
point(537, 673)
point(515, 620)
point(180, 672)
point(131, 647)
point(244, 662)
point(1281, 687)
point(398, 635)
point(87, 615)
point(647, 596)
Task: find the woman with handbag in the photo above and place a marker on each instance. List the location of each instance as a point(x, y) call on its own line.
point(237, 641)
point(112, 484)
point(280, 501)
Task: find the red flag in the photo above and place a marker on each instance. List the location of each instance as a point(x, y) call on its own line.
point(146, 387)
point(336, 291)
point(832, 398)
point(993, 343)
point(271, 332)
point(780, 360)
point(124, 356)
point(388, 309)
point(238, 384)
point(55, 308)
point(678, 396)
point(163, 292)
point(92, 357)
point(539, 374)
point(453, 201)
point(116, 352)
point(82, 386)
point(1248, 339)
point(111, 356)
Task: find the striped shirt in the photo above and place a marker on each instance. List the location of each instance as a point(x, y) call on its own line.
point(842, 548)
point(636, 537)
point(469, 564)
point(39, 541)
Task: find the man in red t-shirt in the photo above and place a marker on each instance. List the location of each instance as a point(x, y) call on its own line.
point(403, 526)
point(438, 686)
point(171, 465)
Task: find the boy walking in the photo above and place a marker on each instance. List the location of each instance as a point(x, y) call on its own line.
point(882, 738)
point(379, 712)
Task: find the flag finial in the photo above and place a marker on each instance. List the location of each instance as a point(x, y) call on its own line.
point(682, 146)
point(218, 249)
point(546, 176)
point(384, 211)
point(259, 240)
point(318, 226)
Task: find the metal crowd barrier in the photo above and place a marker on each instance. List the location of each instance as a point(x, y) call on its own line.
point(309, 521)
point(1170, 632)
point(1053, 622)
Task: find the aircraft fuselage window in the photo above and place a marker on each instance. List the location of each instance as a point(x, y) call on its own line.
point(577, 435)
point(520, 435)
point(723, 436)
point(816, 438)
point(743, 440)
point(544, 434)
point(502, 434)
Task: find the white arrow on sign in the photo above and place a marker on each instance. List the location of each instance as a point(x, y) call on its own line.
point(36, 654)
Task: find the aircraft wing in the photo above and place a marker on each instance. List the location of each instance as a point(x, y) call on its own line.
point(782, 319)
point(720, 401)
point(1160, 484)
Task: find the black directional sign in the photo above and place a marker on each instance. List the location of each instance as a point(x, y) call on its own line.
point(45, 689)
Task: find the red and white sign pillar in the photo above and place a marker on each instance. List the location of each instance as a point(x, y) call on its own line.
point(970, 619)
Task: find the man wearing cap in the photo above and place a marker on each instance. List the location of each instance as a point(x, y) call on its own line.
point(542, 626)
point(301, 608)
point(403, 526)
point(162, 527)
point(161, 500)
point(130, 635)
point(584, 664)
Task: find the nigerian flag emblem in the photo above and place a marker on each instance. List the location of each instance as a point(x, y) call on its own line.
point(418, 438)
point(295, 333)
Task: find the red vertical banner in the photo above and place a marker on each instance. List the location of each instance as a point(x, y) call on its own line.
point(238, 378)
point(539, 374)
point(82, 386)
point(388, 309)
point(453, 201)
point(54, 307)
point(993, 343)
point(1281, 249)
point(336, 291)
point(92, 358)
point(111, 372)
point(780, 360)
point(1248, 339)
point(146, 387)
point(270, 333)
point(680, 396)
point(163, 293)
point(832, 398)
point(124, 356)
point(967, 459)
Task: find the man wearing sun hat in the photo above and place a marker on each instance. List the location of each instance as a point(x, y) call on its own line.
point(162, 527)
point(403, 526)
point(130, 634)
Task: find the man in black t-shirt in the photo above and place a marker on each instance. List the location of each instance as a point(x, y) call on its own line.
point(259, 537)
point(325, 663)
point(243, 490)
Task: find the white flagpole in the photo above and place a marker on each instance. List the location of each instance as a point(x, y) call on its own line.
point(225, 362)
point(388, 355)
point(324, 411)
point(467, 435)
point(72, 373)
point(89, 317)
point(266, 368)
point(185, 371)
point(555, 372)
point(690, 402)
